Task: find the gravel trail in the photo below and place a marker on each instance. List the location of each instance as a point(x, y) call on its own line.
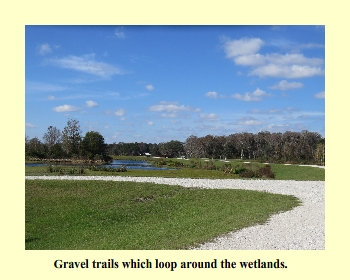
point(302, 228)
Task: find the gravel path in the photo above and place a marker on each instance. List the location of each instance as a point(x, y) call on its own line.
point(302, 228)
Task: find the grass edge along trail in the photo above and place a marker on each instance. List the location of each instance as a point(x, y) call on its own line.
point(106, 215)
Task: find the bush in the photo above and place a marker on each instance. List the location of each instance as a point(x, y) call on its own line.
point(239, 170)
point(266, 172)
point(251, 171)
point(108, 169)
point(248, 174)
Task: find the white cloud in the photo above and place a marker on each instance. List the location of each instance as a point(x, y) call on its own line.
point(289, 72)
point(171, 107)
point(248, 121)
point(292, 59)
point(244, 52)
point(91, 104)
point(87, 64)
point(150, 123)
point(209, 117)
point(51, 97)
point(277, 59)
point(214, 95)
point(119, 33)
point(320, 95)
point(150, 87)
point(65, 108)
point(29, 125)
point(284, 85)
point(250, 60)
point(119, 113)
point(244, 46)
point(257, 95)
point(44, 49)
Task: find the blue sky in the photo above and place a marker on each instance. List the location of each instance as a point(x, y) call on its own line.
point(159, 83)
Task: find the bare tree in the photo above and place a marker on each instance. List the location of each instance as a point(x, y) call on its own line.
point(71, 137)
point(52, 137)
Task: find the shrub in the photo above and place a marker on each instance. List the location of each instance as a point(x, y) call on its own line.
point(248, 174)
point(266, 172)
point(251, 171)
point(239, 170)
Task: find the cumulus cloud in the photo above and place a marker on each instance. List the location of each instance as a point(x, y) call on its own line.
point(287, 71)
point(320, 95)
point(244, 46)
point(150, 87)
point(65, 108)
point(245, 52)
point(284, 85)
point(212, 94)
point(278, 59)
point(86, 64)
point(150, 123)
point(51, 97)
point(91, 104)
point(172, 107)
point(250, 60)
point(45, 49)
point(119, 113)
point(257, 95)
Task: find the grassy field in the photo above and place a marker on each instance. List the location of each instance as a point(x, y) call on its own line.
point(138, 216)
point(282, 172)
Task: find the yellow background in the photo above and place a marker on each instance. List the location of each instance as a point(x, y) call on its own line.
point(16, 263)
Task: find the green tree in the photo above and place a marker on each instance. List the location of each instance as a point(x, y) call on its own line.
point(34, 148)
point(93, 145)
point(172, 148)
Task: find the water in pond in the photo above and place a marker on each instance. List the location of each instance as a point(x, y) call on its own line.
point(133, 164)
point(37, 164)
point(129, 164)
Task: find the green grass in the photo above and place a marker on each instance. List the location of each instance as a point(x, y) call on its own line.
point(282, 172)
point(98, 215)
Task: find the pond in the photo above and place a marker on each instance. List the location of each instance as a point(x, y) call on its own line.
point(37, 164)
point(133, 164)
point(129, 164)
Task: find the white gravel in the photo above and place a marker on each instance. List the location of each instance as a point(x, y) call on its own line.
point(302, 228)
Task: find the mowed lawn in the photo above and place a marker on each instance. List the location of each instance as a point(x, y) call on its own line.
point(106, 215)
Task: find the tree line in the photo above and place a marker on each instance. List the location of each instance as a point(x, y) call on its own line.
point(288, 147)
